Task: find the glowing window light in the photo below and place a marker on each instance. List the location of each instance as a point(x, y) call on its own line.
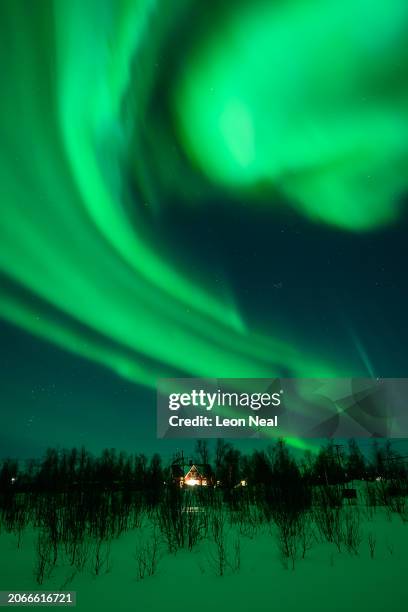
point(192, 482)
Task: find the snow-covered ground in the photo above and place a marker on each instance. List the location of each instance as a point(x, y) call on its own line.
point(325, 580)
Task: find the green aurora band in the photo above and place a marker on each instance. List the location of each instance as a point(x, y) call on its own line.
point(271, 97)
point(308, 97)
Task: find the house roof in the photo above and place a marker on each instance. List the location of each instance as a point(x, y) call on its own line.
point(194, 468)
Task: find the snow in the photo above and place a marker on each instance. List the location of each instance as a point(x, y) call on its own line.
point(325, 580)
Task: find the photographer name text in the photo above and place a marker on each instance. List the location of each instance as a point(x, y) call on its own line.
point(218, 421)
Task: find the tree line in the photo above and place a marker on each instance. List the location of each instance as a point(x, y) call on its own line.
point(61, 470)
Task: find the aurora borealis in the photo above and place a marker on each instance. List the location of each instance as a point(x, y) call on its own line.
point(310, 97)
point(198, 188)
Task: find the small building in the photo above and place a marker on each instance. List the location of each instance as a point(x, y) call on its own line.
point(191, 474)
point(194, 477)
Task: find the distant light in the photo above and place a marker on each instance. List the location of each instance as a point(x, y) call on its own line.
point(13, 480)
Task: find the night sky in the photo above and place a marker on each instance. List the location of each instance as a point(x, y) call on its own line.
point(209, 191)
